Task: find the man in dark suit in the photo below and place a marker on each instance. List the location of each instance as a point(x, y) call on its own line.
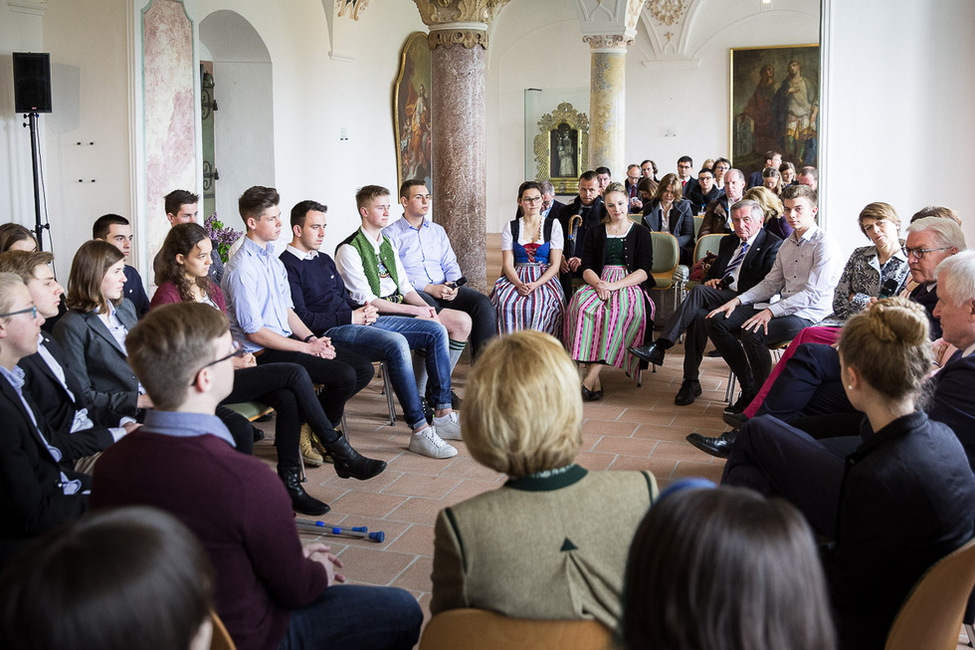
point(742, 262)
point(588, 206)
point(36, 492)
point(551, 206)
point(55, 391)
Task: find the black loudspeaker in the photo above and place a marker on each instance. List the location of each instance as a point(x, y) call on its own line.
point(32, 82)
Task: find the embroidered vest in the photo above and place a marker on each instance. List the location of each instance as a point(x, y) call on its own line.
point(373, 267)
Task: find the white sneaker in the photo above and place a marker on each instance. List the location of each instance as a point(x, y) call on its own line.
point(448, 426)
point(428, 443)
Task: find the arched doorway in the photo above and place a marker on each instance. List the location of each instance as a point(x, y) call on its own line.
point(243, 126)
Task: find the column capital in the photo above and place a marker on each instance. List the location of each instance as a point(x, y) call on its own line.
point(459, 22)
point(607, 42)
point(608, 25)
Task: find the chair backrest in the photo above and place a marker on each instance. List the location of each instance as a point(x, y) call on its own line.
point(221, 637)
point(931, 616)
point(698, 222)
point(478, 629)
point(666, 253)
point(707, 244)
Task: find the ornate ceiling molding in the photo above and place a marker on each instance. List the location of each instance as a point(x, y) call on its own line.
point(666, 12)
point(351, 8)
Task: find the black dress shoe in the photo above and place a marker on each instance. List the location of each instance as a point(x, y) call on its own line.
point(651, 353)
point(734, 420)
point(588, 395)
point(301, 501)
point(258, 434)
point(719, 447)
point(744, 399)
point(690, 389)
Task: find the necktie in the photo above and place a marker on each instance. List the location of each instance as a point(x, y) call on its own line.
point(735, 263)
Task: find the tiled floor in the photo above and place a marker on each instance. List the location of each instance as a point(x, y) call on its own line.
point(631, 428)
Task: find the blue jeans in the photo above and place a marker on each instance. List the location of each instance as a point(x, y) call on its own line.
point(355, 616)
point(390, 339)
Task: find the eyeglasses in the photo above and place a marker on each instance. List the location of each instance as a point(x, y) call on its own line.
point(919, 253)
point(532, 199)
point(32, 310)
point(239, 351)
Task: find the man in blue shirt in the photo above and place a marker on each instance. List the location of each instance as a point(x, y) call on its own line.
point(432, 267)
point(322, 302)
point(263, 320)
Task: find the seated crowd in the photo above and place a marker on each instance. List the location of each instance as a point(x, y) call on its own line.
point(858, 440)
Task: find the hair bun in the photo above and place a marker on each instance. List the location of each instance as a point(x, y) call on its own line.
point(897, 320)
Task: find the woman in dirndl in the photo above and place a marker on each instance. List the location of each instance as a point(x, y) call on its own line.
point(613, 310)
point(528, 294)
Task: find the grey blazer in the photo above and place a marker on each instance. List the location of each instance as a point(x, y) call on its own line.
point(98, 362)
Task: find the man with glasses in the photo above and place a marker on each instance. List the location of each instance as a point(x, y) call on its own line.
point(270, 590)
point(633, 176)
point(705, 192)
point(687, 181)
point(550, 205)
point(38, 493)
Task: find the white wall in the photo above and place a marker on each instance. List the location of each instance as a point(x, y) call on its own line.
point(314, 97)
point(538, 43)
point(899, 109)
point(19, 32)
point(90, 81)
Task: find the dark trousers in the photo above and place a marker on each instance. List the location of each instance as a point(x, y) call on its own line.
point(287, 388)
point(777, 459)
point(689, 319)
point(746, 353)
point(484, 318)
point(340, 378)
point(240, 428)
point(809, 385)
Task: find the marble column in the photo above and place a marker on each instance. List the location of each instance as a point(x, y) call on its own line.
point(607, 103)
point(458, 43)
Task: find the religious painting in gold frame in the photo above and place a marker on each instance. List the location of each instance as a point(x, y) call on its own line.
point(774, 105)
point(562, 148)
point(411, 111)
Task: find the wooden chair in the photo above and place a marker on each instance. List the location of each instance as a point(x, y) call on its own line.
point(931, 617)
point(478, 629)
point(221, 637)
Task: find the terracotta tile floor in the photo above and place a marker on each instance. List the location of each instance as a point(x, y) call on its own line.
point(631, 428)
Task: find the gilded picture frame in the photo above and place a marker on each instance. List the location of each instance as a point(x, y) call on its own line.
point(562, 148)
point(411, 111)
point(774, 105)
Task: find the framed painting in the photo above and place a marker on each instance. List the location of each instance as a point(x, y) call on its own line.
point(774, 105)
point(561, 146)
point(411, 112)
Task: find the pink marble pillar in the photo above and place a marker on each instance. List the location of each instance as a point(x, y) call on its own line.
point(458, 43)
point(459, 155)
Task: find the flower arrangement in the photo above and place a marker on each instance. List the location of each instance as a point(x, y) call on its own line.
point(221, 236)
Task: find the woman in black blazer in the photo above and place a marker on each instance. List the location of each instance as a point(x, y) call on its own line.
point(669, 205)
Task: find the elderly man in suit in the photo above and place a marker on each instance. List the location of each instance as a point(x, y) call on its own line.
point(743, 261)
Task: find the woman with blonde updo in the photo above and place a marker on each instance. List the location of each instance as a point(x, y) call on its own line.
point(772, 206)
point(901, 500)
point(550, 543)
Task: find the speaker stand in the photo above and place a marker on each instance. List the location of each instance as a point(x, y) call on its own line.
point(39, 226)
